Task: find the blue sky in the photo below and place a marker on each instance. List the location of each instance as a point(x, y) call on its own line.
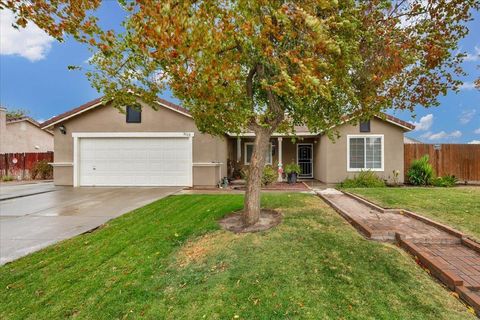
point(34, 76)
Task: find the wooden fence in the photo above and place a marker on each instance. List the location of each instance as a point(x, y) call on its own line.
point(460, 160)
point(18, 165)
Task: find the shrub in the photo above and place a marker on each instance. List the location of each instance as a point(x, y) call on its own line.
point(293, 168)
point(420, 172)
point(7, 178)
point(42, 170)
point(365, 179)
point(446, 181)
point(269, 175)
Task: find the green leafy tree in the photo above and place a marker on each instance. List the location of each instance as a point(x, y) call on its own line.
point(16, 113)
point(267, 66)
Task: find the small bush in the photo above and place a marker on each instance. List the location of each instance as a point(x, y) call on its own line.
point(7, 178)
point(365, 179)
point(268, 177)
point(446, 181)
point(42, 170)
point(420, 172)
point(293, 168)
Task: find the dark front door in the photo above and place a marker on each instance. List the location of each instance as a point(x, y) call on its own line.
point(305, 159)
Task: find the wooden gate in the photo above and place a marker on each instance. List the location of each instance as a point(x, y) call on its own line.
point(460, 160)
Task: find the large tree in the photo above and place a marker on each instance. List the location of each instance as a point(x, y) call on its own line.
point(266, 65)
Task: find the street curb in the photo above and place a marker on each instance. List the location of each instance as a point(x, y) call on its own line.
point(25, 195)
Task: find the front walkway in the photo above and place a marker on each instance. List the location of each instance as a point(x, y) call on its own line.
point(447, 253)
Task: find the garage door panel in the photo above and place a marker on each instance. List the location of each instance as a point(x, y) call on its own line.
point(135, 161)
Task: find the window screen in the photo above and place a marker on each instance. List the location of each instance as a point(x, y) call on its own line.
point(365, 153)
point(373, 153)
point(249, 151)
point(134, 115)
point(357, 153)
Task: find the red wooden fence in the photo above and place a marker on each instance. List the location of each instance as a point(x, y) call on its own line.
point(460, 160)
point(18, 165)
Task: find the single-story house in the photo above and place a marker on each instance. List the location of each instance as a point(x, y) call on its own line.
point(23, 134)
point(97, 145)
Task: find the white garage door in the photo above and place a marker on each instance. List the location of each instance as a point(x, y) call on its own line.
point(127, 161)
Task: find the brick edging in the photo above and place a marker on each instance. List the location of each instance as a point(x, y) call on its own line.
point(436, 266)
point(437, 269)
point(464, 238)
point(363, 228)
point(471, 244)
point(433, 223)
point(471, 298)
point(365, 201)
point(432, 263)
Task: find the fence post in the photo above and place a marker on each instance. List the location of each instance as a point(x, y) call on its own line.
point(7, 165)
point(23, 166)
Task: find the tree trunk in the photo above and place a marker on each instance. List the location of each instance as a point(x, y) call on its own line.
point(254, 182)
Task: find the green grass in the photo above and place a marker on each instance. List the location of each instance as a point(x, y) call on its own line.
point(458, 207)
point(169, 260)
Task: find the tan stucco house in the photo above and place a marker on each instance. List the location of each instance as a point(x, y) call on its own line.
point(97, 145)
point(23, 135)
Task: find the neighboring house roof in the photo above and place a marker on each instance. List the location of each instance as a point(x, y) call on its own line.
point(27, 119)
point(164, 103)
point(409, 140)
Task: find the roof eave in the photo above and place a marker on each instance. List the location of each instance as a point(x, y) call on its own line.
point(96, 103)
point(275, 134)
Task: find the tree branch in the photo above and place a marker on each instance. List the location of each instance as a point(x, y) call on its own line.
point(250, 76)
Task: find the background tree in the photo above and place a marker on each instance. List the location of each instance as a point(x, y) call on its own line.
point(265, 65)
point(16, 113)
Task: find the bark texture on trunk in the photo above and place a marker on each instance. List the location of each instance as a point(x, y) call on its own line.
point(263, 131)
point(257, 162)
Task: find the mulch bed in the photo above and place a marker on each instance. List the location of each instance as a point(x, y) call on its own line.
point(286, 186)
point(283, 186)
point(234, 222)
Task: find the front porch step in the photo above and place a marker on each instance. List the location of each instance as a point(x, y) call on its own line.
point(238, 182)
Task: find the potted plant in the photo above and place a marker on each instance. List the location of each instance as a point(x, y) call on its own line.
point(292, 170)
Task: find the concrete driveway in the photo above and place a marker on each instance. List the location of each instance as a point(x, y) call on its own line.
point(51, 214)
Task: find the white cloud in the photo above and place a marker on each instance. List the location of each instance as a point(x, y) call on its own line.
point(467, 86)
point(31, 42)
point(425, 123)
point(442, 135)
point(467, 115)
point(474, 142)
point(477, 131)
point(473, 56)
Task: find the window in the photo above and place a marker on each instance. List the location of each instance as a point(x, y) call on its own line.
point(134, 115)
point(249, 151)
point(365, 153)
point(365, 126)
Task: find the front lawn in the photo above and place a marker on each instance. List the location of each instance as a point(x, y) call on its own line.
point(458, 207)
point(169, 260)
